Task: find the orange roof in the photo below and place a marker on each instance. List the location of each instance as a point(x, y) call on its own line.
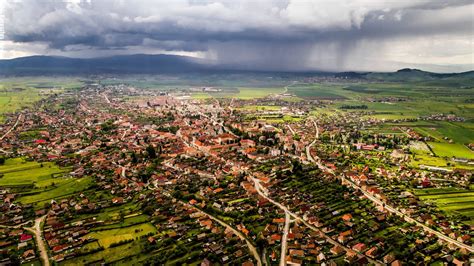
point(279, 220)
point(347, 217)
point(276, 237)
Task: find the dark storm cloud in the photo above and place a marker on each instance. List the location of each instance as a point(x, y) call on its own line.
point(281, 34)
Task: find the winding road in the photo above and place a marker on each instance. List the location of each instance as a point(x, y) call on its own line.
point(284, 239)
point(260, 191)
point(250, 246)
point(380, 203)
point(36, 230)
point(13, 127)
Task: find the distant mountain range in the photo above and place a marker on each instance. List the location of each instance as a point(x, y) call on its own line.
point(407, 74)
point(133, 64)
point(169, 64)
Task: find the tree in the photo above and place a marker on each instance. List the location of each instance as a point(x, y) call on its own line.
point(134, 157)
point(151, 152)
point(2, 160)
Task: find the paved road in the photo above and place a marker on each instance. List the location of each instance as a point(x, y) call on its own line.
point(260, 191)
point(380, 203)
point(251, 247)
point(409, 219)
point(291, 129)
point(106, 98)
point(284, 239)
point(308, 148)
point(36, 230)
point(13, 127)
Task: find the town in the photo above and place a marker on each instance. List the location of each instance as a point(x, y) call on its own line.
point(119, 175)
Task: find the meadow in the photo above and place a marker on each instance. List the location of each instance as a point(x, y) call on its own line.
point(19, 172)
point(457, 150)
point(252, 93)
point(451, 200)
point(18, 93)
point(108, 237)
point(56, 192)
point(106, 255)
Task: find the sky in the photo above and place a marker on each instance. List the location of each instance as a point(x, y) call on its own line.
point(293, 35)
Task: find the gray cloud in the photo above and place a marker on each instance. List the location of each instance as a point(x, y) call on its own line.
point(320, 34)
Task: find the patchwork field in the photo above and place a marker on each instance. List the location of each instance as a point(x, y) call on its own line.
point(19, 172)
point(451, 200)
point(39, 183)
point(69, 187)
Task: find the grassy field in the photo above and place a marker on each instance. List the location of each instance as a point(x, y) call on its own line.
point(13, 100)
point(319, 91)
point(69, 187)
point(443, 149)
point(17, 93)
point(107, 255)
point(19, 172)
point(200, 95)
point(128, 221)
point(108, 237)
point(252, 93)
point(451, 200)
point(260, 108)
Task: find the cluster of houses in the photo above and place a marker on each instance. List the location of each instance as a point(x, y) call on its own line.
point(185, 160)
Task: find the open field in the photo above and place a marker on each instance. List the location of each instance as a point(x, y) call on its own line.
point(260, 108)
point(69, 187)
point(318, 91)
point(128, 221)
point(13, 100)
point(108, 237)
point(451, 150)
point(200, 95)
point(107, 255)
point(451, 200)
point(252, 93)
point(18, 172)
point(17, 93)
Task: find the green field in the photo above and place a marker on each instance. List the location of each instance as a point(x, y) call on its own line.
point(19, 172)
point(451, 200)
point(17, 93)
point(260, 108)
point(200, 95)
point(318, 91)
point(107, 255)
point(252, 93)
point(13, 100)
point(443, 149)
point(69, 187)
point(108, 237)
